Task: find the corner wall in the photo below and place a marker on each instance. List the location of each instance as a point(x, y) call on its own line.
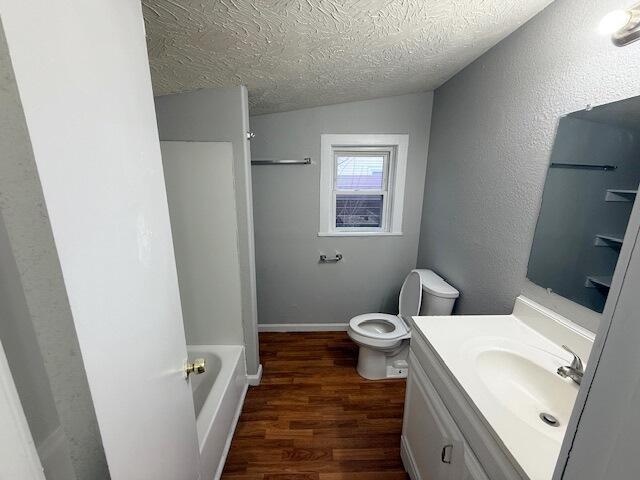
point(493, 129)
point(21, 347)
point(222, 115)
point(293, 288)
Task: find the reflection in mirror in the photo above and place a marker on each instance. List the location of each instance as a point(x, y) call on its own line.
point(589, 192)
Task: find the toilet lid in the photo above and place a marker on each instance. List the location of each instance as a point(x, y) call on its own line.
point(410, 297)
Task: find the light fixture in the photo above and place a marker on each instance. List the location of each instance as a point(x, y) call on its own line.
point(614, 21)
point(622, 25)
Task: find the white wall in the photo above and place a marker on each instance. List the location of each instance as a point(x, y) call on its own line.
point(82, 72)
point(493, 129)
point(204, 225)
point(222, 115)
point(292, 286)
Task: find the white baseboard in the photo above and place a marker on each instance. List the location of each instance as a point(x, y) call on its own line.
point(254, 380)
point(303, 327)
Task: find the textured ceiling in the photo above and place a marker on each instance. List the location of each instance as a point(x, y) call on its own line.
point(298, 53)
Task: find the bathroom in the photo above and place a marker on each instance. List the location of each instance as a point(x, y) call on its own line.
point(319, 240)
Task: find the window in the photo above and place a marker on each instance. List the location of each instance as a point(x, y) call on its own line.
point(360, 188)
point(362, 184)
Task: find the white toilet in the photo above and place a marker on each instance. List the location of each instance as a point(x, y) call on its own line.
point(384, 339)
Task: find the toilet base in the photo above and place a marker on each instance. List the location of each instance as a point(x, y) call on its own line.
point(380, 364)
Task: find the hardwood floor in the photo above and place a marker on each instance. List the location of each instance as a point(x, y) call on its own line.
point(314, 418)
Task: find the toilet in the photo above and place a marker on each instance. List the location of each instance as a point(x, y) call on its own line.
point(384, 339)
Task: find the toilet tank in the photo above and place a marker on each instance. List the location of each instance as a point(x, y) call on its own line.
point(438, 297)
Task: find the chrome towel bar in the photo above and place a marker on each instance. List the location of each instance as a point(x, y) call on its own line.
point(306, 161)
point(584, 166)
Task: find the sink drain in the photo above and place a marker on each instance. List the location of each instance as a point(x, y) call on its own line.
point(549, 419)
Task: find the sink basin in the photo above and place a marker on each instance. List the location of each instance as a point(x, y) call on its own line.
point(527, 388)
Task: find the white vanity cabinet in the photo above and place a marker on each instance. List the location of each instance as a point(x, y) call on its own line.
point(464, 401)
point(433, 447)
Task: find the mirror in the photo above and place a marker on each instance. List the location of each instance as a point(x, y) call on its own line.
point(588, 195)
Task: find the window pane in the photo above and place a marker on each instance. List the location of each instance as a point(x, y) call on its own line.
point(359, 211)
point(359, 173)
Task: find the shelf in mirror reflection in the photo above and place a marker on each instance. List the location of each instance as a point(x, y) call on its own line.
point(608, 240)
point(620, 195)
point(598, 281)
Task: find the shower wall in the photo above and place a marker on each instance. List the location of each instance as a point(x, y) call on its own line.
point(204, 226)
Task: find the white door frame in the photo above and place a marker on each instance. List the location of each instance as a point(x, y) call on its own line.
point(18, 454)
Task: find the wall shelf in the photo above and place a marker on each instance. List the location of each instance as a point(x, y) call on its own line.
point(608, 240)
point(598, 281)
point(618, 195)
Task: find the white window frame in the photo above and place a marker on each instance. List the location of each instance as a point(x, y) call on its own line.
point(396, 146)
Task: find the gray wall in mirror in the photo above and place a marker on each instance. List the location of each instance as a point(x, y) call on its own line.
point(492, 133)
point(565, 251)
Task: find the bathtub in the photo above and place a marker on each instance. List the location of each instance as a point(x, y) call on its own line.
point(218, 395)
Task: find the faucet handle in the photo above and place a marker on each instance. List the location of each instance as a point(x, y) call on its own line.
point(576, 363)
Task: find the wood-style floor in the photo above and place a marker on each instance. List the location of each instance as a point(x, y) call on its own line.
point(314, 418)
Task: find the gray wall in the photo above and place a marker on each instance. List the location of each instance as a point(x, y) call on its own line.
point(292, 286)
point(222, 115)
point(20, 344)
point(492, 132)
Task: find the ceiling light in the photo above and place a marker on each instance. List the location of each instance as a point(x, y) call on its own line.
point(622, 25)
point(614, 21)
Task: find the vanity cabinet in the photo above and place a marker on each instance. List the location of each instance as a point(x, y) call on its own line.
point(433, 447)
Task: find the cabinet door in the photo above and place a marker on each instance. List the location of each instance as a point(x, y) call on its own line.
point(472, 468)
point(435, 450)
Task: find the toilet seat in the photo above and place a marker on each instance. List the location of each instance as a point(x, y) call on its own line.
point(375, 320)
point(378, 330)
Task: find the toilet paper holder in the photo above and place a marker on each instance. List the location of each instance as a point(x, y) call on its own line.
point(325, 259)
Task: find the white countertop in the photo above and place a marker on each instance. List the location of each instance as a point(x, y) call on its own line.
point(508, 371)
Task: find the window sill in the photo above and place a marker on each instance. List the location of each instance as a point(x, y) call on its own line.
point(360, 234)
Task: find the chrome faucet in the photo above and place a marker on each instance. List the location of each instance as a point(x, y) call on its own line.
point(575, 371)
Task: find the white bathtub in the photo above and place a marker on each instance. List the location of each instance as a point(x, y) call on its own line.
point(218, 395)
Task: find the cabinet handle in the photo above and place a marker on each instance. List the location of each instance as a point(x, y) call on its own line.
point(443, 455)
